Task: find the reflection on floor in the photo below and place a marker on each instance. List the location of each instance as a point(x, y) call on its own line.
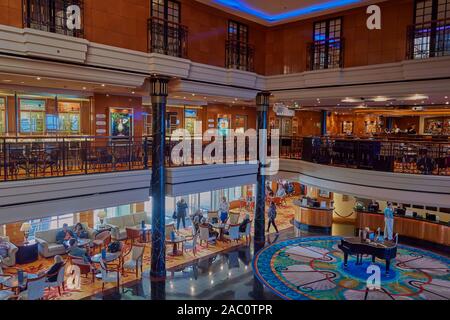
point(313, 268)
point(284, 220)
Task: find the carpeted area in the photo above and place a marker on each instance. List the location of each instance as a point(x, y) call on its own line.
point(284, 221)
point(313, 269)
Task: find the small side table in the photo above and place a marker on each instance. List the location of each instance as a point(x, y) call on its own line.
point(27, 253)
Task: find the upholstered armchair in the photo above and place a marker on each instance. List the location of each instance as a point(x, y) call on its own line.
point(10, 260)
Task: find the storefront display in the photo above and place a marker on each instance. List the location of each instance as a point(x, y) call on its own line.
point(69, 117)
point(240, 124)
point(370, 126)
point(191, 122)
point(121, 122)
point(223, 124)
point(437, 126)
point(347, 127)
point(32, 116)
point(2, 116)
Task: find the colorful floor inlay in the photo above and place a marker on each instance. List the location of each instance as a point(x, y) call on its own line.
point(313, 269)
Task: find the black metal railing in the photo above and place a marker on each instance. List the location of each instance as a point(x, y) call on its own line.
point(325, 54)
point(42, 157)
point(57, 16)
point(166, 37)
point(239, 55)
point(428, 39)
point(398, 156)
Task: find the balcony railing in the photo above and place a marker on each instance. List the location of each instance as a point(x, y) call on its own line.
point(42, 157)
point(57, 16)
point(239, 55)
point(326, 54)
point(398, 156)
point(428, 39)
point(166, 37)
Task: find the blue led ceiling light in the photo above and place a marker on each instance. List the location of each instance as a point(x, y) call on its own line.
point(240, 5)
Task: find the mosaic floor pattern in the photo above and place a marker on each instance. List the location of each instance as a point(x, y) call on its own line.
point(313, 269)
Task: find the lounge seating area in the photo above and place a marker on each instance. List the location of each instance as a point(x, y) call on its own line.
point(48, 246)
point(104, 269)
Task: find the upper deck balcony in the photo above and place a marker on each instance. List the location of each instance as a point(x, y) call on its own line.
point(428, 39)
point(167, 37)
point(56, 16)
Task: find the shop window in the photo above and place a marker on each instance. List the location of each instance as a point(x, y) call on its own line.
point(50, 223)
point(326, 51)
point(69, 117)
point(191, 122)
point(121, 122)
point(32, 116)
point(240, 124)
point(2, 116)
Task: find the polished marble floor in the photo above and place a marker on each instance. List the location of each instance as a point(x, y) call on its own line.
point(227, 275)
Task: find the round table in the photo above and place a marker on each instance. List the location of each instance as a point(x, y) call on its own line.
point(110, 257)
point(13, 282)
point(27, 252)
point(175, 242)
point(221, 227)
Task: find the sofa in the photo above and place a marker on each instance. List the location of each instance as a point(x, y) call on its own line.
point(118, 225)
point(10, 260)
point(47, 242)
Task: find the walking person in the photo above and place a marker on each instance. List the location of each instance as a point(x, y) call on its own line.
point(272, 213)
point(182, 208)
point(389, 222)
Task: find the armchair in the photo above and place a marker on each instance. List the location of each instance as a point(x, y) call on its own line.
point(136, 260)
point(85, 268)
point(59, 280)
point(109, 275)
point(10, 260)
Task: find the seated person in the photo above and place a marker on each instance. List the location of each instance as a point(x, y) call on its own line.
point(281, 192)
point(290, 188)
point(212, 233)
point(4, 249)
point(52, 272)
point(76, 251)
point(198, 214)
point(196, 224)
point(269, 191)
point(64, 234)
point(80, 232)
point(244, 223)
point(374, 206)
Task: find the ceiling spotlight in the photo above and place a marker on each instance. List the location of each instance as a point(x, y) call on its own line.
point(447, 103)
point(193, 94)
point(7, 80)
point(133, 92)
point(446, 97)
point(103, 85)
point(84, 88)
point(38, 78)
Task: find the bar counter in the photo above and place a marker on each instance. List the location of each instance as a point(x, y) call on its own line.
point(417, 228)
point(307, 217)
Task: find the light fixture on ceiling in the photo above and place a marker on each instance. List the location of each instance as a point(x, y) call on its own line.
point(38, 78)
point(7, 80)
point(84, 88)
point(103, 85)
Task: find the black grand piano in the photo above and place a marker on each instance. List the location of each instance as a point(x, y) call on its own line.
point(356, 246)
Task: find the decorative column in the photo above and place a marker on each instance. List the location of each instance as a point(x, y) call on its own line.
point(323, 127)
point(262, 108)
point(158, 93)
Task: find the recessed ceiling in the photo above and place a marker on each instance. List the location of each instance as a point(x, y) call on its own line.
point(272, 12)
